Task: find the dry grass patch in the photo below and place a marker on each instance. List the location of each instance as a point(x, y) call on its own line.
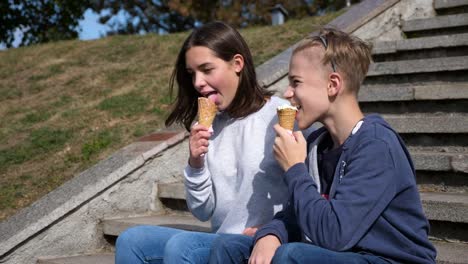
point(65, 106)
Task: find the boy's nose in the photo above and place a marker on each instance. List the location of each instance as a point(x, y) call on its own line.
point(288, 94)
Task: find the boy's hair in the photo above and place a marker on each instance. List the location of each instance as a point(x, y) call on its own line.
point(225, 42)
point(347, 54)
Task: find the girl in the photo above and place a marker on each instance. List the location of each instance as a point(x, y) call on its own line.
point(231, 177)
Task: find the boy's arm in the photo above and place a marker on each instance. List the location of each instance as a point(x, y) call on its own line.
point(199, 192)
point(283, 226)
point(364, 190)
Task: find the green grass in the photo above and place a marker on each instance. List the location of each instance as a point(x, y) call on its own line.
point(125, 105)
point(99, 142)
point(67, 105)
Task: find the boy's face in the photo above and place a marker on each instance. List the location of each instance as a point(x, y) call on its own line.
point(308, 82)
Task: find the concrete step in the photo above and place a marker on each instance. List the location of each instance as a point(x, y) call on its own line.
point(440, 158)
point(447, 253)
point(439, 25)
point(104, 258)
point(438, 206)
point(410, 92)
point(444, 4)
point(450, 207)
point(451, 253)
point(114, 227)
point(451, 6)
point(428, 122)
point(432, 65)
point(421, 48)
point(172, 190)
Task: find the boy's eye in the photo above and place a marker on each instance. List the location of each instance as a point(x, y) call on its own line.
point(295, 83)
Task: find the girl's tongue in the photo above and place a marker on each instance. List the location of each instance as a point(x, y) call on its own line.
point(213, 97)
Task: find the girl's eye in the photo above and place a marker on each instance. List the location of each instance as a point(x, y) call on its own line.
point(207, 70)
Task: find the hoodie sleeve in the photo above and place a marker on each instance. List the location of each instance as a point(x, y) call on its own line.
point(199, 192)
point(364, 189)
point(283, 226)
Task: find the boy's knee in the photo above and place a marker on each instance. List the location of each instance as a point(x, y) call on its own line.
point(282, 254)
point(287, 253)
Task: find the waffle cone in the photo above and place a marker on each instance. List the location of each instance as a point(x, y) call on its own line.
point(286, 118)
point(206, 111)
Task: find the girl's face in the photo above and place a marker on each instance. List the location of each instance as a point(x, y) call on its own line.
point(213, 77)
point(307, 88)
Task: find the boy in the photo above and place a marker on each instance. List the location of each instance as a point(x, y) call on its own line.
point(355, 199)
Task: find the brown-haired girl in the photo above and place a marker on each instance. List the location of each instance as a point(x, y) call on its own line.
point(232, 177)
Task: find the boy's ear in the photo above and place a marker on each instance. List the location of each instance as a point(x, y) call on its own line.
point(238, 63)
point(335, 84)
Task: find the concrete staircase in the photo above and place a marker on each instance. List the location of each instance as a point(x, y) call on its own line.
point(420, 85)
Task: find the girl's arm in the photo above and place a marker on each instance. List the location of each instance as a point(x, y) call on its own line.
point(199, 192)
point(198, 185)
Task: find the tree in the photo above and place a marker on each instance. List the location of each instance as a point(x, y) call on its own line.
point(179, 15)
point(39, 21)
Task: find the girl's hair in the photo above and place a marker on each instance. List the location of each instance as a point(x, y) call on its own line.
point(346, 54)
point(225, 42)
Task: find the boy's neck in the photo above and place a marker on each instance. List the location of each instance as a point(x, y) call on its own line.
point(343, 116)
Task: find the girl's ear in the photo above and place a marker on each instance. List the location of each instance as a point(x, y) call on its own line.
point(335, 84)
point(238, 63)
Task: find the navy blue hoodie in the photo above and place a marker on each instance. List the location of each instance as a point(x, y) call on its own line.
point(374, 204)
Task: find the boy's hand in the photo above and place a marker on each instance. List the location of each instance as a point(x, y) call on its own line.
point(289, 150)
point(198, 145)
point(264, 250)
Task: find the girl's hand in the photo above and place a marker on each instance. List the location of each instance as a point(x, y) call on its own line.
point(289, 150)
point(264, 250)
point(250, 231)
point(198, 145)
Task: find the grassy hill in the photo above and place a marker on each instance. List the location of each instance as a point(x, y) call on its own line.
point(64, 106)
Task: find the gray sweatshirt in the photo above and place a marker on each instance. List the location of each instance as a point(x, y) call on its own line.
point(241, 184)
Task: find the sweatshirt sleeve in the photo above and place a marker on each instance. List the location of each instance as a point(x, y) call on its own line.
point(364, 189)
point(199, 192)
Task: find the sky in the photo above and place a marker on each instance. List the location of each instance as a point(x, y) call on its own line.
point(90, 27)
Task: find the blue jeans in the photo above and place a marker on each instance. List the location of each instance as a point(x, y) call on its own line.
point(237, 248)
point(156, 244)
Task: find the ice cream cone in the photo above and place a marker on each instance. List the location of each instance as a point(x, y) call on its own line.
point(206, 111)
point(286, 117)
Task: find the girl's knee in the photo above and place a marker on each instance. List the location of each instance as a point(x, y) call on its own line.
point(220, 243)
point(129, 237)
point(187, 245)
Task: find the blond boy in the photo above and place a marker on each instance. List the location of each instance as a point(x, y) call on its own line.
point(352, 189)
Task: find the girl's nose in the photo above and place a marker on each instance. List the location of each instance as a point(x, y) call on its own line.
point(198, 81)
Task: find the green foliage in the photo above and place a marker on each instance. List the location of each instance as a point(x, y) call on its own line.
point(125, 105)
point(177, 15)
point(40, 21)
